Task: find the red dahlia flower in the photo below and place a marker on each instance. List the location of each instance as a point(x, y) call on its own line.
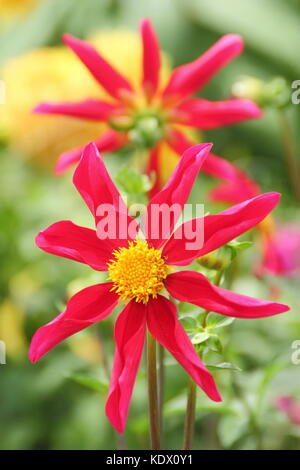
point(154, 113)
point(139, 272)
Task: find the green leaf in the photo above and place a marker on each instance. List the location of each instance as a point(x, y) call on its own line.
point(215, 320)
point(188, 322)
point(214, 344)
point(90, 382)
point(200, 337)
point(225, 365)
point(240, 245)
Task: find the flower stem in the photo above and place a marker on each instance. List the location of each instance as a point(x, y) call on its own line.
point(189, 422)
point(152, 393)
point(161, 384)
point(290, 154)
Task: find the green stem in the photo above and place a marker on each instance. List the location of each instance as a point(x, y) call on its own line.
point(290, 154)
point(152, 393)
point(189, 422)
point(161, 384)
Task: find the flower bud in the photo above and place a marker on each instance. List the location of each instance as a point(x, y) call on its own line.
point(217, 260)
point(274, 93)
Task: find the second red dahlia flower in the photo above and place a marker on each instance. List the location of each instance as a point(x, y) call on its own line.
point(154, 113)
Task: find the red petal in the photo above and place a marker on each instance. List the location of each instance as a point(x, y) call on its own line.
point(206, 114)
point(178, 141)
point(99, 192)
point(164, 325)
point(103, 72)
point(192, 287)
point(108, 142)
point(130, 330)
point(238, 186)
point(151, 57)
point(187, 79)
point(160, 223)
point(217, 229)
point(77, 243)
point(88, 109)
point(88, 306)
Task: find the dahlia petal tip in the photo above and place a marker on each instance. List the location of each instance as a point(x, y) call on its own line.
point(32, 354)
point(38, 239)
point(39, 109)
point(116, 423)
point(275, 196)
point(68, 39)
point(145, 22)
point(208, 145)
point(235, 38)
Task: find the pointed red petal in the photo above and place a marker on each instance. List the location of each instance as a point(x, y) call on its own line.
point(97, 189)
point(200, 236)
point(164, 325)
point(88, 306)
point(130, 330)
point(108, 142)
point(189, 78)
point(205, 114)
point(80, 244)
point(89, 109)
point(166, 206)
point(151, 57)
point(192, 287)
point(102, 71)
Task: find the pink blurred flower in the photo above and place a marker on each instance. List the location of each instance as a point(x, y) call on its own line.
point(280, 243)
point(290, 407)
point(281, 251)
point(139, 271)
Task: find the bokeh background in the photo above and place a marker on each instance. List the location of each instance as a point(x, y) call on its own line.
point(59, 402)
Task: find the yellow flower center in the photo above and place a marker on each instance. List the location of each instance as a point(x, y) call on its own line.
point(138, 272)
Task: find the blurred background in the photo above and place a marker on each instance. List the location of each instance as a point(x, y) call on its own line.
point(58, 403)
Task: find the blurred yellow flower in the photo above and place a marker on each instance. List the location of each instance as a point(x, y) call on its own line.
point(54, 74)
point(87, 347)
point(10, 9)
point(12, 330)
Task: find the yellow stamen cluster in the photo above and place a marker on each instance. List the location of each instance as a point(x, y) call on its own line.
point(138, 271)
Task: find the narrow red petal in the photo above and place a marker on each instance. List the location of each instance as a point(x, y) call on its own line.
point(97, 189)
point(237, 187)
point(166, 206)
point(205, 114)
point(151, 58)
point(192, 287)
point(200, 236)
point(102, 71)
point(80, 244)
point(164, 325)
point(88, 306)
point(130, 330)
point(108, 142)
point(189, 78)
point(89, 109)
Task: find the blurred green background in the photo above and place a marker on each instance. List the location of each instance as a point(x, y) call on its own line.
point(59, 402)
